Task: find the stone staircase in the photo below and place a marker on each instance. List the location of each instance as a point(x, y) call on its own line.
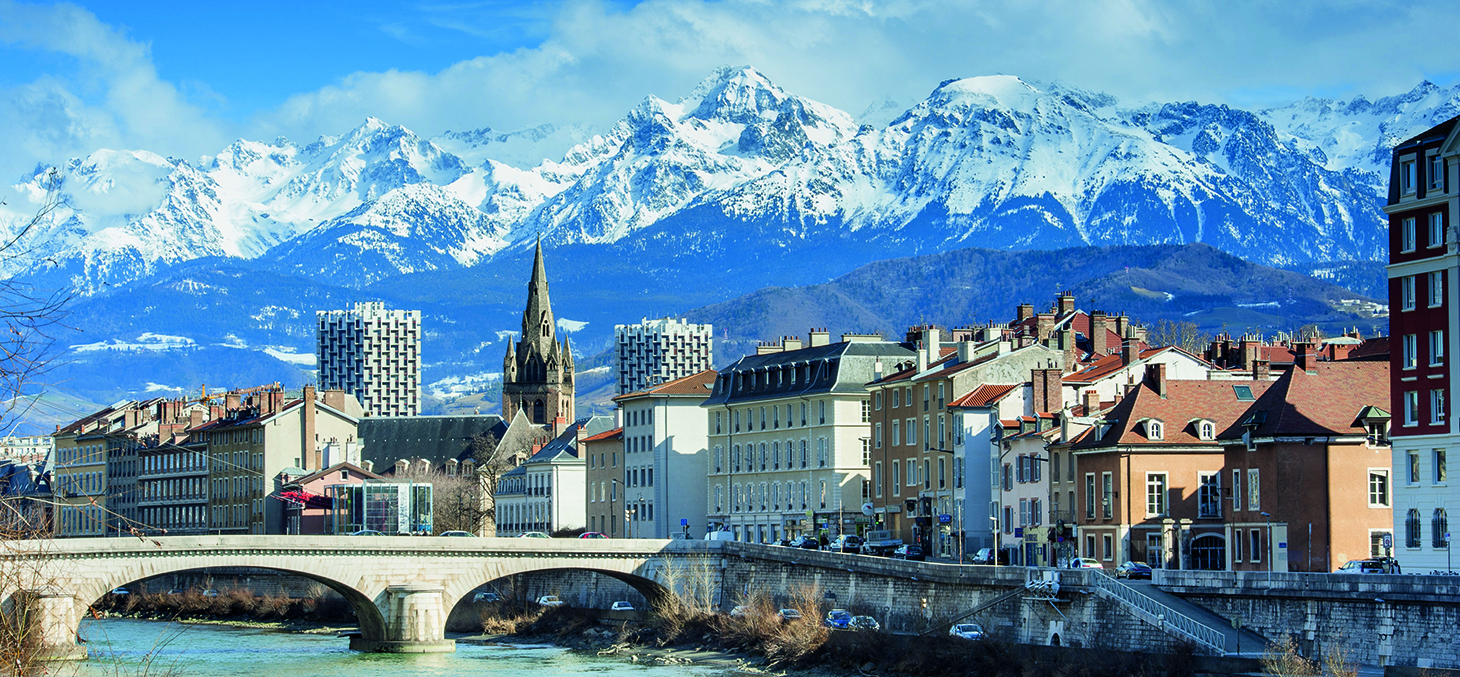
point(1179, 617)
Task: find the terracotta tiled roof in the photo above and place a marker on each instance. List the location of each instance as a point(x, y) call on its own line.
point(984, 396)
point(614, 434)
point(694, 384)
point(1326, 402)
point(1184, 404)
point(1376, 348)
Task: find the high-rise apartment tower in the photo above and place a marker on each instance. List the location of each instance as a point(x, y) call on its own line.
point(655, 352)
point(373, 354)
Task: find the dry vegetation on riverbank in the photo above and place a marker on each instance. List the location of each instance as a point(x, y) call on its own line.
point(230, 604)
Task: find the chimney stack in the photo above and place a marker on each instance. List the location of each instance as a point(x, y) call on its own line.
point(1260, 370)
point(1099, 330)
point(1065, 303)
point(1122, 325)
point(308, 452)
point(1156, 378)
point(818, 337)
point(1307, 357)
point(1046, 384)
point(1043, 326)
point(1130, 351)
point(1026, 311)
point(1092, 402)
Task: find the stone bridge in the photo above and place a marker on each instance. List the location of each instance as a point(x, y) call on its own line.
point(400, 588)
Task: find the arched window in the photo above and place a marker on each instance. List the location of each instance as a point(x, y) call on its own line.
point(1441, 525)
point(1206, 430)
point(1209, 552)
point(537, 415)
point(1411, 529)
point(1154, 430)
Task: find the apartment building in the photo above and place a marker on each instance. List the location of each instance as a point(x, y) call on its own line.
point(605, 482)
point(655, 352)
point(913, 459)
point(665, 438)
point(373, 354)
point(789, 438)
point(1024, 493)
point(259, 441)
point(1423, 262)
point(26, 448)
point(547, 492)
point(172, 488)
point(1152, 473)
point(978, 418)
point(1310, 472)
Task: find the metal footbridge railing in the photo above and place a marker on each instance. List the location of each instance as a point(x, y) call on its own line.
point(1167, 618)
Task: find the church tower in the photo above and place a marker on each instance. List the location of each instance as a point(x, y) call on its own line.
point(537, 373)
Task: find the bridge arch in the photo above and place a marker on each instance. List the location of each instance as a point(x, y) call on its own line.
point(641, 580)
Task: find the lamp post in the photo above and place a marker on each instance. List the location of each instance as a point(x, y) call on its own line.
point(1268, 517)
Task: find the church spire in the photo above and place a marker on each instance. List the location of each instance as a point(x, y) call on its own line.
point(537, 318)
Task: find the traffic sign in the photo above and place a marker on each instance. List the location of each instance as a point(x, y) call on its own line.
point(1388, 540)
point(683, 522)
point(945, 519)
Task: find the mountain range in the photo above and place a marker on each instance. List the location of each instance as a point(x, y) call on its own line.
point(736, 186)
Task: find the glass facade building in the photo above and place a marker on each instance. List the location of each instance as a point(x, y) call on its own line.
point(387, 507)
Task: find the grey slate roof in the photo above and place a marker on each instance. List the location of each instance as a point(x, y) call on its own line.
point(836, 368)
point(437, 439)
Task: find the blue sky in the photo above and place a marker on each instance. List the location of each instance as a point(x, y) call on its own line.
point(185, 78)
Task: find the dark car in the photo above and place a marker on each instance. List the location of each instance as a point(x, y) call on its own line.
point(1134, 571)
point(806, 542)
point(912, 552)
point(986, 556)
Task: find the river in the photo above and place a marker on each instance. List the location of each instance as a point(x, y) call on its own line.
point(159, 649)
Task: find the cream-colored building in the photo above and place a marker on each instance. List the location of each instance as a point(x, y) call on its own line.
point(789, 438)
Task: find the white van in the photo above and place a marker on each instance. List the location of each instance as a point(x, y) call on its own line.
point(720, 536)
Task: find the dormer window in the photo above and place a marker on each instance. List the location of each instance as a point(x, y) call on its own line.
point(1206, 430)
point(1155, 430)
point(1406, 177)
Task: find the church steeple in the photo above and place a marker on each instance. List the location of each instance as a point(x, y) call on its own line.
point(537, 376)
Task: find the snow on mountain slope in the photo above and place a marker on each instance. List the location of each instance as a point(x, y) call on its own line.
point(988, 161)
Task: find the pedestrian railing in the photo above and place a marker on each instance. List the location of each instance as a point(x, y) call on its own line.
point(1171, 620)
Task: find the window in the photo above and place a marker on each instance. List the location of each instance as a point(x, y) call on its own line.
point(877, 477)
point(912, 473)
point(821, 452)
point(1008, 519)
point(1107, 496)
point(1154, 429)
point(1209, 495)
point(866, 411)
point(1406, 242)
point(1435, 171)
point(1437, 347)
point(927, 480)
point(1253, 491)
point(1413, 467)
point(1024, 512)
point(1237, 490)
point(1440, 471)
point(957, 473)
point(925, 397)
point(1155, 494)
point(877, 399)
point(1439, 530)
point(1411, 407)
point(1008, 478)
point(896, 398)
point(1406, 177)
point(1437, 229)
point(877, 435)
point(896, 433)
point(1107, 551)
point(803, 453)
point(823, 494)
point(927, 438)
point(1410, 351)
point(1411, 529)
point(719, 459)
point(942, 473)
point(1378, 488)
point(762, 418)
point(1406, 293)
point(1437, 289)
point(1437, 406)
point(912, 432)
point(866, 452)
point(821, 407)
point(896, 479)
point(1206, 430)
point(1256, 551)
point(1090, 496)
point(1237, 537)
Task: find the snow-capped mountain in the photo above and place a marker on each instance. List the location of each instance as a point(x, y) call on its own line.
point(739, 164)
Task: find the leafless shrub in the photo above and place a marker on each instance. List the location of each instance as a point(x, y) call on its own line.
point(1284, 660)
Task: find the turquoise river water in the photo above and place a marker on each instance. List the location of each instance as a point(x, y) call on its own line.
point(129, 647)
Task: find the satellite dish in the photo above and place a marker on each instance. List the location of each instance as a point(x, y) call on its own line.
point(867, 508)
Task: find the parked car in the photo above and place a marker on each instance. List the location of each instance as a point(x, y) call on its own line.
point(210, 593)
point(789, 615)
point(739, 611)
point(121, 591)
point(550, 600)
point(1373, 565)
point(176, 591)
point(592, 534)
point(1085, 563)
point(838, 619)
point(1133, 571)
point(986, 556)
point(367, 532)
point(847, 543)
point(864, 623)
point(806, 543)
point(489, 597)
point(972, 631)
point(534, 534)
point(621, 606)
point(880, 543)
point(679, 536)
point(910, 551)
point(459, 534)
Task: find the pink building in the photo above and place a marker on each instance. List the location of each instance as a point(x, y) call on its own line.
point(307, 504)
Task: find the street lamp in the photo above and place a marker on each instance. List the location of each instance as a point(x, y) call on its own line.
point(629, 513)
